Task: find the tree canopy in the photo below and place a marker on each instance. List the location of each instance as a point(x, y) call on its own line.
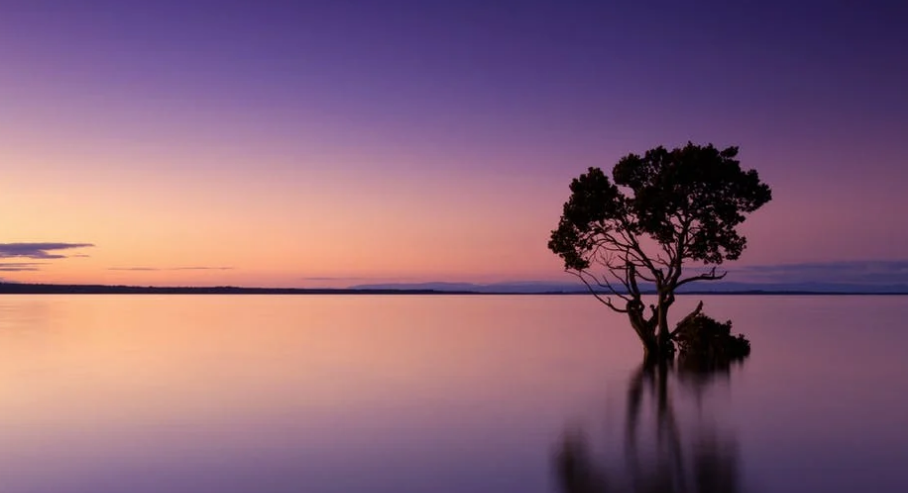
point(659, 212)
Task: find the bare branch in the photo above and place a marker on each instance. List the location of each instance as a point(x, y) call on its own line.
point(637, 251)
point(625, 281)
point(666, 261)
point(608, 285)
point(605, 301)
point(710, 276)
point(690, 316)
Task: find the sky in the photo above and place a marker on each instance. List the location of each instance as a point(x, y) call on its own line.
point(345, 142)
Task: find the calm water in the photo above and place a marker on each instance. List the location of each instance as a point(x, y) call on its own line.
point(434, 394)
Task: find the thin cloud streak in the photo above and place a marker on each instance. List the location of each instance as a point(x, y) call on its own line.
point(38, 250)
point(330, 278)
point(166, 269)
point(852, 271)
point(20, 267)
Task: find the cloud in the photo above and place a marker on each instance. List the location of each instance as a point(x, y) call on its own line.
point(19, 267)
point(329, 278)
point(38, 250)
point(160, 269)
point(853, 271)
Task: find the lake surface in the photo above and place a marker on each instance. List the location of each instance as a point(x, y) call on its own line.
point(437, 394)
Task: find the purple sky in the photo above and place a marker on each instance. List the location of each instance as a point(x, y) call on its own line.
point(429, 140)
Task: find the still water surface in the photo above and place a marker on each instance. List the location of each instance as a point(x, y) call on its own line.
point(112, 394)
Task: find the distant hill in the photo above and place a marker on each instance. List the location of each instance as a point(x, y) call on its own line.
point(18, 288)
point(529, 287)
point(543, 287)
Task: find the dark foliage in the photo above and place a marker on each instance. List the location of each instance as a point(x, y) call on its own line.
point(692, 197)
point(705, 338)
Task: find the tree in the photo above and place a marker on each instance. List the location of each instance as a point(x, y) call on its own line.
point(640, 231)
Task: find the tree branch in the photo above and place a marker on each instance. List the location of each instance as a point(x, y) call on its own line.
point(605, 301)
point(677, 267)
point(711, 276)
point(690, 316)
point(637, 251)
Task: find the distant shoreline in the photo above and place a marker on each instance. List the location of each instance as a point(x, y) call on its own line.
point(16, 288)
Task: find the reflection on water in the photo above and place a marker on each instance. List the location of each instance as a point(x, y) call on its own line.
point(660, 454)
point(441, 394)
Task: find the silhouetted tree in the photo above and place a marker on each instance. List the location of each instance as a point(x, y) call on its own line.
point(660, 212)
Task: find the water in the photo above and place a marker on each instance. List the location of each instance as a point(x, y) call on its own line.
point(435, 393)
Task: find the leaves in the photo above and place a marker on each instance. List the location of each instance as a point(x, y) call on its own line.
point(688, 200)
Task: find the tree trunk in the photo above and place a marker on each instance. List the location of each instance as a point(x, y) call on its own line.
point(664, 337)
point(651, 352)
point(645, 331)
point(666, 348)
point(653, 332)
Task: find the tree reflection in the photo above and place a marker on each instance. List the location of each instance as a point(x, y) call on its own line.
point(658, 455)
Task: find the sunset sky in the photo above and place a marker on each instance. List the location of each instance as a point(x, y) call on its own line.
point(333, 143)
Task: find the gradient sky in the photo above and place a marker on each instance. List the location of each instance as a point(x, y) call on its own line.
point(318, 143)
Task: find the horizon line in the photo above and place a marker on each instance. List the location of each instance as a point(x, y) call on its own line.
point(7, 287)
